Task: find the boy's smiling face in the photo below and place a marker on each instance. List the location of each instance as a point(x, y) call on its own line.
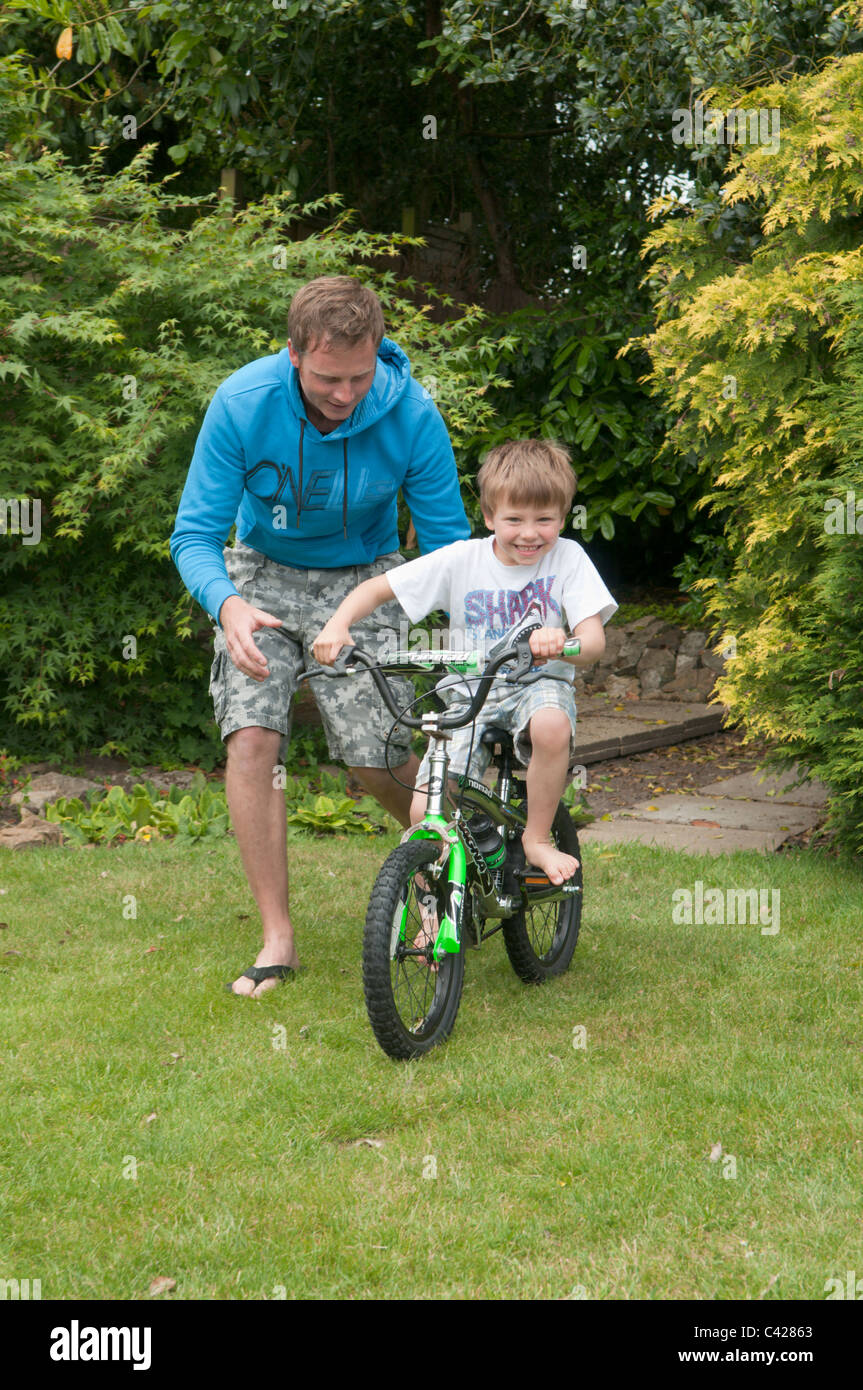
point(523, 534)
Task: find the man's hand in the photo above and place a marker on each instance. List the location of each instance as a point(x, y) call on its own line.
point(239, 620)
point(547, 642)
point(330, 640)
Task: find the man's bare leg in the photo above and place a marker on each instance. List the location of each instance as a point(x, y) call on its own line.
point(395, 799)
point(259, 819)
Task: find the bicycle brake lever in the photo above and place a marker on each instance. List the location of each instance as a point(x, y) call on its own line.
point(339, 667)
point(525, 655)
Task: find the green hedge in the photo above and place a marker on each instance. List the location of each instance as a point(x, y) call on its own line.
point(567, 382)
point(122, 307)
point(760, 357)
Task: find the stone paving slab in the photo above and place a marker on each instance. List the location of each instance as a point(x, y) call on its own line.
point(776, 786)
point(604, 731)
point(726, 811)
point(691, 839)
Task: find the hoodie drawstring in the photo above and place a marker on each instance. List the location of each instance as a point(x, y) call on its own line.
point(300, 483)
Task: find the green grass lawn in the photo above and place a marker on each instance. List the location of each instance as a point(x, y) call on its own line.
point(154, 1125)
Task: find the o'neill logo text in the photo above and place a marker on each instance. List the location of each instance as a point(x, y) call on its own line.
point(76, 1343)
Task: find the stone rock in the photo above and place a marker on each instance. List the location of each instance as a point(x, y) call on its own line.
point(704, 680)
point(32, 831)
point(630, 654)
point(666, 636)
point(692, 643)
point(646, 626)
point(622, 688)
point(712, 662)
point(655, 667)
point(684, 662)
point(48, 786)
point(693, 685)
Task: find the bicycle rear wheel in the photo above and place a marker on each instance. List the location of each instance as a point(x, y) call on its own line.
point(540, 939)
point(412, 1004)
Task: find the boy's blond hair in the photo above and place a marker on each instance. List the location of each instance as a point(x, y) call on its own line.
point(335, 310)
point(527, 473)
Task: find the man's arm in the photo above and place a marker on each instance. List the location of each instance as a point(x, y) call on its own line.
point(208, 509)
point(431, 486)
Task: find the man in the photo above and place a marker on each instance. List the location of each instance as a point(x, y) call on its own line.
point(307, 450)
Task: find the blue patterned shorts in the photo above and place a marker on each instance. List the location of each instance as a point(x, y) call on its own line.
point(512, 707)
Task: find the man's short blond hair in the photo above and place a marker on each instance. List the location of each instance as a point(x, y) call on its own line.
point(527, 473)
point(336, 311)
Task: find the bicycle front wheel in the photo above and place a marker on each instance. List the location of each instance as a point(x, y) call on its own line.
point(412, 1001)
point(540, 939)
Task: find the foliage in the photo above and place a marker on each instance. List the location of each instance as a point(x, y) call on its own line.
point(10, 783)
point(675, 614)
point(552, 119)
point(592, 403)
point(760, 358)
point(117, 323)
point(575, 802)
point(321, 803)
point(145, 813)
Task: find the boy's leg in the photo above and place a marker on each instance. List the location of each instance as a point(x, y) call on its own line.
point(543, 720)
point(546, 779)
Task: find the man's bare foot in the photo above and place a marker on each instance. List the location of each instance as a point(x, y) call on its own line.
point(554, 863)
point(268, 955)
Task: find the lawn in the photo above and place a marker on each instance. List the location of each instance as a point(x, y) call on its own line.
point(156, 1126)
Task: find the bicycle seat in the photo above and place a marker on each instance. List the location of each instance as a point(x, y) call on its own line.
point(495, 733)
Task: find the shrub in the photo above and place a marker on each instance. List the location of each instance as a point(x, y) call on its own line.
point(759, 354)
point(567, 382)
point(122, 307)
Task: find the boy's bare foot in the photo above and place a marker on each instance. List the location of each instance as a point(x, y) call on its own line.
point(558, 866)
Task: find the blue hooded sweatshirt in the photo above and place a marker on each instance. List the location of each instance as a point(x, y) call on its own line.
point(311, 500)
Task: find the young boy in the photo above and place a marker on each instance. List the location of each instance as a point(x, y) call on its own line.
point(526, 490)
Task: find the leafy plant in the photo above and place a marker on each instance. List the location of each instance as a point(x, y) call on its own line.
point(576, 803)
point(143, 814)
point(123, 306)
point(759, 356)
point(321, 803)
point(567, 382)
point(9, 782)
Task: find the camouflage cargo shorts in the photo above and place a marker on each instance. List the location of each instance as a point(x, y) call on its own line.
point(355, 719)
point(512, 709)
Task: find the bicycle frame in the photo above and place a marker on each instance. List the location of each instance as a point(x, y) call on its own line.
point(465, 860)
point(466, 864)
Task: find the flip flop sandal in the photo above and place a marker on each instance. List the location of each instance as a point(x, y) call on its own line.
point(262, 972)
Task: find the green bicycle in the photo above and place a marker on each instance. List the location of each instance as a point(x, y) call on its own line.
point(455, 881)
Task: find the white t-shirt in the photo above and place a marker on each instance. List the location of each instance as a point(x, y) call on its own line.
point(486, 598)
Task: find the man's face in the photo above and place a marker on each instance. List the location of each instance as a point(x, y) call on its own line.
point(335, 379)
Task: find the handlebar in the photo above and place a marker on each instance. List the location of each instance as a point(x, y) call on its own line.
point(355, 660)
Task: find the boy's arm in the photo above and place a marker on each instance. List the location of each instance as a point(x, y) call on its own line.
point(362, 601)
point(548, 642)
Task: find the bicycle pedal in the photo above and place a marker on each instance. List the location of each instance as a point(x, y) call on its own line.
point(537, 886)
point(533, 878)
